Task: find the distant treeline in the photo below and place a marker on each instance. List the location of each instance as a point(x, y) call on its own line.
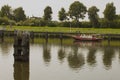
point(72, 18)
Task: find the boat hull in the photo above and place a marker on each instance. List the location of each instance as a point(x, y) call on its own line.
point(86, 39)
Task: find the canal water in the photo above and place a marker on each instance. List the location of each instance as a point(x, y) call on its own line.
point(62, 60)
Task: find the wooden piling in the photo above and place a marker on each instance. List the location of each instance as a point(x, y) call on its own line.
point(2, 35)
point(46, 37)
point(21, 46)
point(32, 36)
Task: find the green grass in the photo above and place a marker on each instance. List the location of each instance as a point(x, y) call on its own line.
point(64, 29)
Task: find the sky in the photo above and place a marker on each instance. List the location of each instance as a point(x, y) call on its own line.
point(36, 7)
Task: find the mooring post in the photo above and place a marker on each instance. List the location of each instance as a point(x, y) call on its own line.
point(61, 37)
point(32, 36)
point(2, 35)
point(21, 46)
point(109, 39)
point(46, 37)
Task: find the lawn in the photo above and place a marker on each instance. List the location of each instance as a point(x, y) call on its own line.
point(64, 29)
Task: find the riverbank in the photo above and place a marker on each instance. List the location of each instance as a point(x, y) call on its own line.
point(63, 29)
point(62, 32)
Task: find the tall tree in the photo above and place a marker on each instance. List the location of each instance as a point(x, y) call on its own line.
point(0, 13)
point(19, 14)
point(62, 14)
point(77, 10)
point(110, 12)
point(6, 11)
point(47, 13)
point(93, 16)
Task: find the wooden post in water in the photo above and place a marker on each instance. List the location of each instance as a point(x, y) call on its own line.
point(2, 35)
point(109, 39)
point(32, 36)
point(61, 37)
point(21, 46)
point(46, 37)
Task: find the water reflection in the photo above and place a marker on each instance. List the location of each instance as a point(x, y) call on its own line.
point(119, 54)
point(75, 59)
point(91, 57)
point(108, 57)
point(87, 43)
point(5, 47)
point(61, 52)
point(21, 70)
point(46, 53)
point(1, 40)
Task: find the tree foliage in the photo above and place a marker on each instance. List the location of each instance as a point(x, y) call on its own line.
point(19, 14)
point(93, 16)
point(77, 10)
point(6, 11)
point(47, 13)
point(110, 12)
point(71, 18)
point(62, 14)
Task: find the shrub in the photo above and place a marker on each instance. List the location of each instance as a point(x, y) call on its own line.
point(4, 21)
point(86, 25)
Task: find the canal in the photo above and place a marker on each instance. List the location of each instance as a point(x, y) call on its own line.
point(65, 59)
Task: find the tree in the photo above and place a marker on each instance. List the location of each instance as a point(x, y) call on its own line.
point(6, 11)
point(62, 14)
point(19, 14)
point(110, 12)
point(47, 13)
point(117, 17)
point(0, 14)
point(77, 10)
point(93, 16)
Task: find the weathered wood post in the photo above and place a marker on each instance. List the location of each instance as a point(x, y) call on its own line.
point(2, 35)
point(46, 37)
point(109, 39)
point(32, 36)
point(61, 37)
point(21, 46)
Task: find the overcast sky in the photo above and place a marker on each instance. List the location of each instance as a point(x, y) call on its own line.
point(36, 7)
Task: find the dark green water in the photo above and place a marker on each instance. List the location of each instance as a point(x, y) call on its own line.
point(62, 60)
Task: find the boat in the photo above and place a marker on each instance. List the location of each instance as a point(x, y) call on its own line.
point(83, 37)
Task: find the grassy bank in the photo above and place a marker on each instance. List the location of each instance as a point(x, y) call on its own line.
point(64, 29)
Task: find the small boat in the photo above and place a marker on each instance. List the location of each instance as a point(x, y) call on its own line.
point(83, 37)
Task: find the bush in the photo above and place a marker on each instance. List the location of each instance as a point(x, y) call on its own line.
point(86, 25)
point(19, 23)
point(64, 24)
point(12, 22)
point(4, 21)
point(116, 24)
point(110, 24)
point(75, 24)
point(52, 23)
